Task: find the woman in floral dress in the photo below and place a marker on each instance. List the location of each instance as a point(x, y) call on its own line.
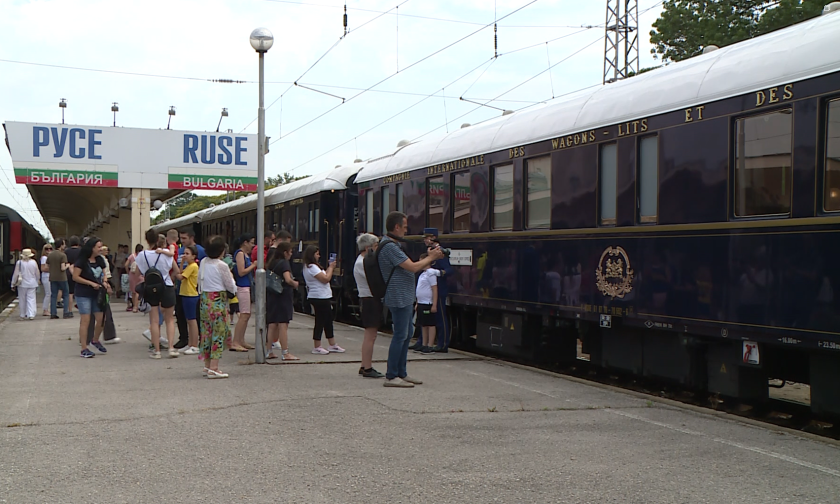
point(214, 282)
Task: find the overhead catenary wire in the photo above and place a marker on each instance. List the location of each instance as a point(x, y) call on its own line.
point(430, 18)
point(403, 70)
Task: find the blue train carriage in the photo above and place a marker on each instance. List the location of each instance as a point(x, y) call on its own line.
point(681, 223)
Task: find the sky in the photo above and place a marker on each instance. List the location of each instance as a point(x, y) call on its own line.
point(399, 73)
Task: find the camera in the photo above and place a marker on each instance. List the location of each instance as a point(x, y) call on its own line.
point(446, 251)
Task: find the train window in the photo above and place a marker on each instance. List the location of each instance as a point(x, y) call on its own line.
point(317, 217)
point(539, 192)
point(832, 158)
point(311, 218)
point(386, 203)
point(461, 201)
point(763, 146)
point(503, 197)
point(608, 181)
point(434, 202)
point(648, 178)
point(400, 207)
point(297, 222)
point(369, 210)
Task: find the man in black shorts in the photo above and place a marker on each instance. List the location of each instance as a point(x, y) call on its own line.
point(370, 306)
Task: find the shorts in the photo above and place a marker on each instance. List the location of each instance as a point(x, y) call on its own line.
point(425, 317)
point(244, 295)
point(166, 298)
point(190, 304)
point(371, 312)
point(234, 308)
point(87, 305)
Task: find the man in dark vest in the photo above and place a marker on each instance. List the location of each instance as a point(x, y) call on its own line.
point(443, 324)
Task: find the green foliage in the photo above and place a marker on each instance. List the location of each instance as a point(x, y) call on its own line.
point(685, 27)
point(189, 202)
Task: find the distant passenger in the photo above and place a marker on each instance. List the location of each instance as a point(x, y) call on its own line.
point(427, 305)
point(242, 268)
point(73, 248)
point(25, 279)
point(159, 292)
point(58, 264)
point(280, 307)
point(268, 243)
point(370, 306)
point(45, 277)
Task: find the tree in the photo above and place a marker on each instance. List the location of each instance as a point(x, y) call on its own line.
point(685, 27)
point(281, 179)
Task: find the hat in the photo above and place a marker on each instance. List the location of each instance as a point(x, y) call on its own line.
point(430, 232)
point(27, 254)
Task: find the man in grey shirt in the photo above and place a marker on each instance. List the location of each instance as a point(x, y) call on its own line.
point(399, 296)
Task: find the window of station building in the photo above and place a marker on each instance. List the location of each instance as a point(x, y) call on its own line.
point(461, 202)
point(434, 202)
point(503, 197)
point(832, 157)
point(400, 204)
point(369, 210)
point(538, 192)
point(608, 179)
point(648, 178)
point(386, 203)
point(763, 146)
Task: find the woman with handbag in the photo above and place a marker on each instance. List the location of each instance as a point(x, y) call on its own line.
point(91, 293)
point(280, 305)
point(215, 283)
point(26, 277)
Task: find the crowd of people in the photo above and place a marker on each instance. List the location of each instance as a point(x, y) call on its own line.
point(197, 290)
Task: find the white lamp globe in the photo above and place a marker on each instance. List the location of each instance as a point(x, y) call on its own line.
point(262, 39)
point(157, 204)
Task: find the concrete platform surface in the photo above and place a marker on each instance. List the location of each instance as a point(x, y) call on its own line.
point(122, 428)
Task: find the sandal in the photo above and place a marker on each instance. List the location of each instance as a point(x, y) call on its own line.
point(237, 349)
point(213, 374)
point(286, 356)
point(270, 355)
point(248, 346)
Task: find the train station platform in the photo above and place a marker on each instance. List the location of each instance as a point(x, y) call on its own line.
point(122, 428)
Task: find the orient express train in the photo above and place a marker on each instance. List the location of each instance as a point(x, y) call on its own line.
point(682, 223)
point(16, 234)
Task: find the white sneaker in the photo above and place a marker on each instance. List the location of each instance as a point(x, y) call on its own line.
point(113, 341)
point(335, 349)
point(191, 351)
point(276, 346)
point(147, 334)
point(154, 355)
point(164, 342)
point(173, 353)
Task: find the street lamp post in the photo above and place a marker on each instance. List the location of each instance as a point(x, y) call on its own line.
point(224, 114)
point(261, 41)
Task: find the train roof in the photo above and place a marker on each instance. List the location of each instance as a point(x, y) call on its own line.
point(801, 51)
point(335, 179)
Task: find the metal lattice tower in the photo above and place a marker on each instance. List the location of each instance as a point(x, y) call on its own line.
point(621, 40)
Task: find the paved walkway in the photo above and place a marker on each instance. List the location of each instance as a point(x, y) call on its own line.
point(122, 428)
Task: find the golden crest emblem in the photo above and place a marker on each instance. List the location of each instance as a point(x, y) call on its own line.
point(614, 276)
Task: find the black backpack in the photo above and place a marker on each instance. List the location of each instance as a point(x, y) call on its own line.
point(153, 280)
point(378, 285)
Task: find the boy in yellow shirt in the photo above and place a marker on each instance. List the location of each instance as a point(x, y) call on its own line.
point(189, 296)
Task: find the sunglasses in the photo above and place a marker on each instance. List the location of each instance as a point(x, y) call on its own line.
point(48, 248)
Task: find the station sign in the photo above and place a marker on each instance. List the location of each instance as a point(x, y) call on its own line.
point(93, 156)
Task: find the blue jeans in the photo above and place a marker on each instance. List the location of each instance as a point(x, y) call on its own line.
point(65, 289)
point(398, 352)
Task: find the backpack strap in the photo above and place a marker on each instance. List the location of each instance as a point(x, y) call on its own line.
point(391, 275)
point(156, 261)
